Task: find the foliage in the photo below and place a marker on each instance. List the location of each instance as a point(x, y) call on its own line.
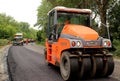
point(24, 26)
point(114, 21)
point(108, 11)
point(27, 31)
point(98, 6)
point(102, 6)
point(3, 42)
point(42, 13)
point(40, 43)
point(41, 35)
point(116, 44)
point(42, 19)
point(9, 26)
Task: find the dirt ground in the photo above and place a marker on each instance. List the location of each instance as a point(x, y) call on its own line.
point(3, 69)
point(116, 73)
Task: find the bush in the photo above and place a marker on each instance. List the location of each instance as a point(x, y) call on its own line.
point(116, 44)
point(40, 43)
point(3, 42)
point(117, 52)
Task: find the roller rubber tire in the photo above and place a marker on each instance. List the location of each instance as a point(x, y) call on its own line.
point(69, 67)
point(99, 66)
point(86, 68)
point(110, 66)
point(93, 70)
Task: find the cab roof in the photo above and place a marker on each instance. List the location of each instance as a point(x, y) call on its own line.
point(74, 10)
point(19, 34)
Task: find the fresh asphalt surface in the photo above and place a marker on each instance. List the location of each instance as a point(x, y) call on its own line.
point(29, 65)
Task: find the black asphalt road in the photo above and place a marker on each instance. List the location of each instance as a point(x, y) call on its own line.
point(28, 65)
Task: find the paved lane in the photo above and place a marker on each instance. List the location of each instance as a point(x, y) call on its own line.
point(29, 65)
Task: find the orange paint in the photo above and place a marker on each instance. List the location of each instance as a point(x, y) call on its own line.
point(81, 31)
point(54, 50)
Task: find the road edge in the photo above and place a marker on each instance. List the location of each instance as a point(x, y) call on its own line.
point(5, 62)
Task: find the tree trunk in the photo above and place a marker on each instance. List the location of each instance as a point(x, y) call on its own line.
point(102, 9)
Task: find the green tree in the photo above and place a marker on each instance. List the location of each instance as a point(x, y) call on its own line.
point(42, 13)
point(114, 21)
point(24, 26)
point(41, 35)
point(9, 26)
point(98, 6)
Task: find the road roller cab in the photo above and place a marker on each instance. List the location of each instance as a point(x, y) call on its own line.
point(74, 46)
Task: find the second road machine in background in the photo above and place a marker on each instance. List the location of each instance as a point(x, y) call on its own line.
point(18, 39)
point(75, 46)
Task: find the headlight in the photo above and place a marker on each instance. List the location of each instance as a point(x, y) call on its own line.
point(106, 43)
point(76, 44)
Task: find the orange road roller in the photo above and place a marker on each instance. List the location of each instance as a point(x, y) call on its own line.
point(75, 46)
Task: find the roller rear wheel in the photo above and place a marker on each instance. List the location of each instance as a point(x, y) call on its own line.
point(86, 68)
point(109, 66)
point(93, 70)
point(69, 67)
point(99, 66)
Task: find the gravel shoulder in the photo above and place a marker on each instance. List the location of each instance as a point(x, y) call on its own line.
point(3, 63)
point(116, 73)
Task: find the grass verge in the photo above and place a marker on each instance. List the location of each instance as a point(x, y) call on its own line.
point(40, 43)
point(3, 42)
